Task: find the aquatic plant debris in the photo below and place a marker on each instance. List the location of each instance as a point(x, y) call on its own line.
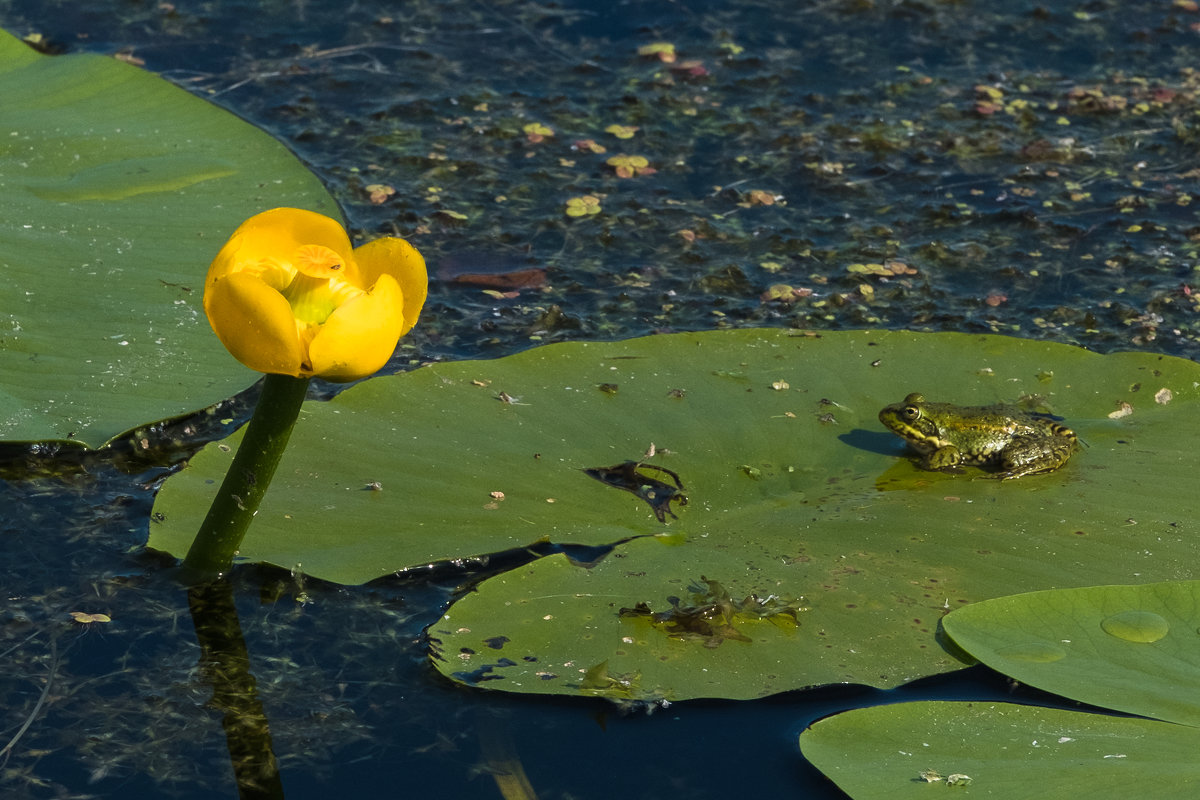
point(711, 615)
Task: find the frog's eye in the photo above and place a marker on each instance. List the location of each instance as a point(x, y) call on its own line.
point(911, 413)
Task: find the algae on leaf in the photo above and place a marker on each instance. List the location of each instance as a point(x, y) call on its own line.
point(116, 190)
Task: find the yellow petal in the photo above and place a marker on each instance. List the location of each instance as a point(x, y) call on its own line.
point(399, 259)
point(361, 335)
point(255, 324)
point(317, 261)
point(278, 234)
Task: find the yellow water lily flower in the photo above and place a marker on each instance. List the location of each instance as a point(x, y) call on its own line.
point(287, 294)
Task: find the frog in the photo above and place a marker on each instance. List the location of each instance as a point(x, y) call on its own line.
point(947, 436)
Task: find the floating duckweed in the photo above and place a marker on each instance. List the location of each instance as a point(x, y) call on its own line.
point(588, 146)
point(536, 132)
point(622, 131)
point(759, 197)
point(629, 166)
point(886, 269)
point(584, 206)
point(379, 192)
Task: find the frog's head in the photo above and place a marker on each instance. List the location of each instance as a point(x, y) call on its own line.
point(910, 420)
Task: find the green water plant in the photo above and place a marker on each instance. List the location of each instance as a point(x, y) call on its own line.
point(1001, 750)
point(113, 182)
point(812, 548)
point(1131, 648)
point(289, 296)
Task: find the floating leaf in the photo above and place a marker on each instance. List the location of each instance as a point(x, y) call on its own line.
point(796, 497)
point(379, 192)
point(536, 132)
point(1009, 752)
point(584, 206)
point(629, 166)
point(1132, 648)
point(663, 51)
point(490, 268)
point(622, 131)
point(784, 293)
point(117, 190)
point(759, 197)
point(886, 269)
point(588, 145)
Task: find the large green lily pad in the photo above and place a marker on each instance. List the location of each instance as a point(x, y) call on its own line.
point(1132, 648)
point(1002, 751)
point(116, 190)
point(811, 550)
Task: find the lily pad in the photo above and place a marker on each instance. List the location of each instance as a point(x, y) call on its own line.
point(1132, 648)
point(117, 189)
point(811, 549)
point(1001, 750)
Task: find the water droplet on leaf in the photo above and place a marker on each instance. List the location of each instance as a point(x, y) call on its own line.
point(1035, 652)
point(1136, 626)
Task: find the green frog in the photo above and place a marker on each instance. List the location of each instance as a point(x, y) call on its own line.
point(1017, 442)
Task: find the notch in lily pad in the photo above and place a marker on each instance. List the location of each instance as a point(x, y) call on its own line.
point(627, 477)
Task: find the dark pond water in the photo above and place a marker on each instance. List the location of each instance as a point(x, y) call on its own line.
point(1023, 168)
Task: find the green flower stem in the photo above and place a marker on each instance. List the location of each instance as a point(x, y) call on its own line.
point(236, 503)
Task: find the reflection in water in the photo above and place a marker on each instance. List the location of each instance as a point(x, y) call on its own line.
point(225, 663)
point(501, 761)
point(55, 656)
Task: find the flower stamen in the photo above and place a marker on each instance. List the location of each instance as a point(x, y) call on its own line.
point(317, 261)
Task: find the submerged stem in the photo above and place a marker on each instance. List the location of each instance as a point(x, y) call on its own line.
point(249, 475)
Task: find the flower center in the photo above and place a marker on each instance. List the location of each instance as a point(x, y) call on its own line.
point(319, 285)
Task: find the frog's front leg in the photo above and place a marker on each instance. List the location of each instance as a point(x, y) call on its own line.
point(947, 458)
point(1025, 456)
